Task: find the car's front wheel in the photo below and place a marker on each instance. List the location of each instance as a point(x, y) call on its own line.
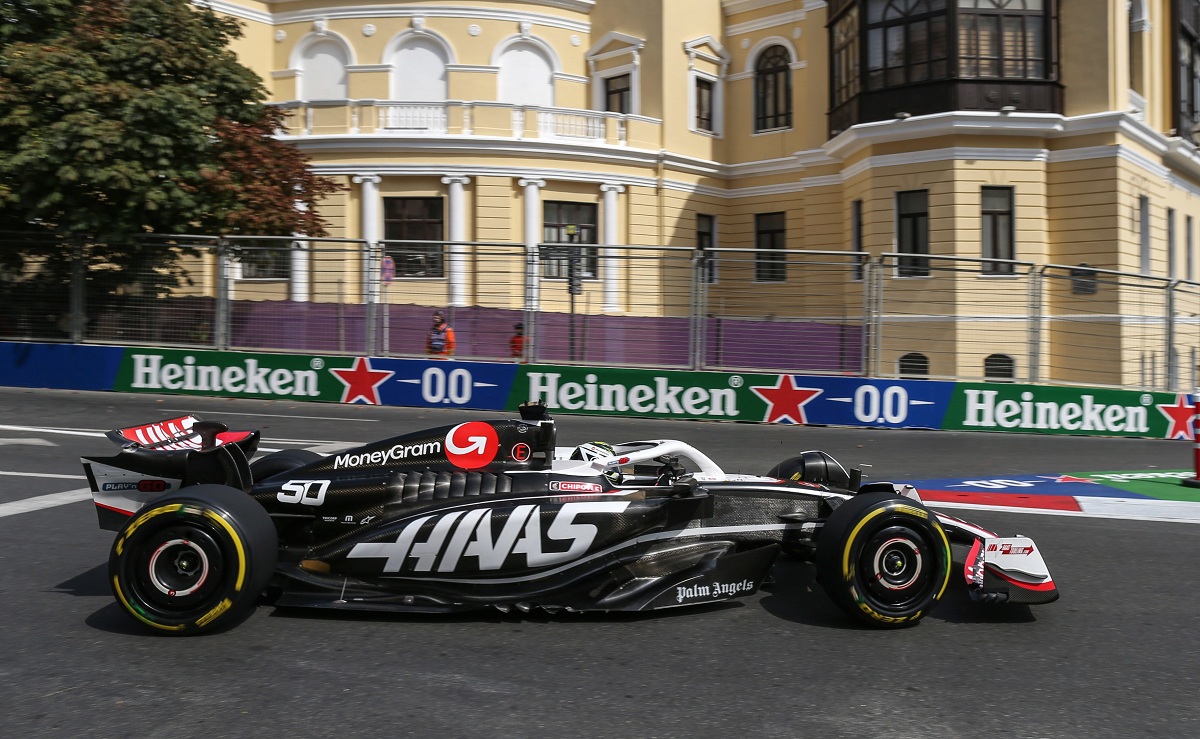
point(884, 559)
point(193, 560)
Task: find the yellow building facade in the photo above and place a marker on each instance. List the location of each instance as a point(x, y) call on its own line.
point(945, 133)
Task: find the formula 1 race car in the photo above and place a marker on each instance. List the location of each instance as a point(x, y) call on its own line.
point(493, 514)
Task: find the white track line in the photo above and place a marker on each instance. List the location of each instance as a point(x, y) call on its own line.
point(44, 430)
point(44, 501)
point(44, 474)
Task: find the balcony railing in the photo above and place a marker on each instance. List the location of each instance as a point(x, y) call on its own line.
point(463, 118)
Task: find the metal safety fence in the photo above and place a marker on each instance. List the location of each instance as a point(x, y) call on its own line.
point(733, 309)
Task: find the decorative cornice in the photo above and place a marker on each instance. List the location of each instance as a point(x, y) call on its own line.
point(761, 24)
point(435, 11)
point(733, 7)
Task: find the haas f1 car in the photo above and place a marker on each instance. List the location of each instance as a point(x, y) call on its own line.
point(492, 514)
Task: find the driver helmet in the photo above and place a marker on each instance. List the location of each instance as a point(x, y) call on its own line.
point(593, 450)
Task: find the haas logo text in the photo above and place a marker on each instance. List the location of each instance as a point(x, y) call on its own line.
point(467, 541)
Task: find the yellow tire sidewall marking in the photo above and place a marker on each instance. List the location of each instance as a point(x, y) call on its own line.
point(217, 610)
point(847, 572)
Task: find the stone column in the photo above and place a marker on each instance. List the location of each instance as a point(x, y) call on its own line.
point(533, 234)
point(370, 233)
point(609, 237)
point(457, 234)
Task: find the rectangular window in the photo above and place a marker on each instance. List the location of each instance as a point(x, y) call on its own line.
point(1144, 234)
point(912, 237)
point(845, 57)
point(260, 262)
point(417, 225)
point(617, 93)
point(770, 236)
point(856, 237)
point(1171, 243)
point(997, 224)
point(569, 223)
point(1190, 257)
point(706, 241)
point(1001, 39)
point(704, 105)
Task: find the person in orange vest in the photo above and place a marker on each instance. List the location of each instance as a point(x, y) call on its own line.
point(440, 341)
point(516, 344)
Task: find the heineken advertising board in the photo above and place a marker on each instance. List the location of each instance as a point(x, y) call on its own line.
point(722, 396)
point(336, 379)
point(673, 394)
point(1068, 410)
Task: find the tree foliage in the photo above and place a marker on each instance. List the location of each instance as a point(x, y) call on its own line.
point(122, 117)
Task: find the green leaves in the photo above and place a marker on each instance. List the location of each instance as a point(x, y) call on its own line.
point(120, 117)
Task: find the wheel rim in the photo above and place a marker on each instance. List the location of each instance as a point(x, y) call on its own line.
point(178, 568)
point(179, 571)
point(896, 567)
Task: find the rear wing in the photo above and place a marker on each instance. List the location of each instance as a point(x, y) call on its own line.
point(181, 433)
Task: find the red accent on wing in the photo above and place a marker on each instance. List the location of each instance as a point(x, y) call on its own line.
point(1043, 587)
point(232, 437)
point(114, 510)
point(971, 560)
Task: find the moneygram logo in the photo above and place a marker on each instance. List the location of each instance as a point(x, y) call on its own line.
point(383, 456)
point(472, 445)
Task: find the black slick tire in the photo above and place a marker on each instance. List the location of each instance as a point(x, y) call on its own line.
point(884, 559)
point(193, 560)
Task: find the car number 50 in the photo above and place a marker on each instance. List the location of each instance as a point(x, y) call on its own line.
point(870, 406)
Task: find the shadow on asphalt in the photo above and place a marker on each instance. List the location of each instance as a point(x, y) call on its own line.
point(89, 584)
point(797, 596)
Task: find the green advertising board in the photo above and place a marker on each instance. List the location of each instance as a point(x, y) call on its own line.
point(1068, 410)
point(228, 374)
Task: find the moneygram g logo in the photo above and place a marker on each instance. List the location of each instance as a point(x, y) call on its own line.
point(472, 445)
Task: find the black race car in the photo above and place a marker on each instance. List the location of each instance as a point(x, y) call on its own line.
point(493, 514)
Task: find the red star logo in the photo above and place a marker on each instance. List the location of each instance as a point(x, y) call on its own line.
point(361, 381)
point(1180, 416)
point(785, 401)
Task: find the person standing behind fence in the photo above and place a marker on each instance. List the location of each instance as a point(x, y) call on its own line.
point(516, 344)
point(440, 341)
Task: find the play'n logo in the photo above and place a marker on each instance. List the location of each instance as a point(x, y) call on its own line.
point(472, 445)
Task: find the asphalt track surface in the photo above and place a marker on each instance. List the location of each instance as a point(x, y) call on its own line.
point(1116, 656)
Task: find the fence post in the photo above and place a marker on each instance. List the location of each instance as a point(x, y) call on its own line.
point(1172, 361)
point(373, 263)
point(78, 305)
point(1035, 325)
point(875, 286)
point(699, 307)
point(223, 309)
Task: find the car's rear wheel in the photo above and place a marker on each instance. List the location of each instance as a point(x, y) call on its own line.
point(279, 462)
point(193, 560)
point(883, 559)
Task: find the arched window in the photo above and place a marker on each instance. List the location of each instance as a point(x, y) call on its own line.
point(999, 368)
point(419, 71)
point(914, 365)
point(773, 89)
point(323, 71)
point(525, 76)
